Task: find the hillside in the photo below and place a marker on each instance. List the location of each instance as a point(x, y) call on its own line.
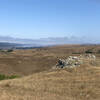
point(26, 62)
point(39, 81)
point(80, 83)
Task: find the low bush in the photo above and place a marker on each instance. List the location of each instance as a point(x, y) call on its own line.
point(10, 50)
point(4, 77)
point(89, 51)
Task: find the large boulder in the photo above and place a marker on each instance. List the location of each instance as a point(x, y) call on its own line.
point(71, 61)
point(74, 61)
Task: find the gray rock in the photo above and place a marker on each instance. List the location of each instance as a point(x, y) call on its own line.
point(74, 61)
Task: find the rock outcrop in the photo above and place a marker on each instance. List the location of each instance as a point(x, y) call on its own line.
point(74, 61)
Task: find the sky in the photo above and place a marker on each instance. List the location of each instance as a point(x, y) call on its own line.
point(35, 19)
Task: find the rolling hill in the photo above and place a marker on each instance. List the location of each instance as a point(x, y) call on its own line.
point(38, 81)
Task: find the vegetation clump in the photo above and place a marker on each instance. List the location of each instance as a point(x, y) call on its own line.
point(6, 51)
point(10, 50)
point(4, 77)
point(88, 51)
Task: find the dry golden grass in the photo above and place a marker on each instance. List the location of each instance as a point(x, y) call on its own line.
point(26, 62)
point(81, 83)
point(42, 83)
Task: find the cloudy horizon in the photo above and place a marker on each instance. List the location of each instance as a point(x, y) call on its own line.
point(36, 19)
point(49, 41)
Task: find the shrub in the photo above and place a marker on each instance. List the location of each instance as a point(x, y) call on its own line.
point(1, 50)
point(89, 51)
point(10, 50)
point(4, 77)
point(13, 76)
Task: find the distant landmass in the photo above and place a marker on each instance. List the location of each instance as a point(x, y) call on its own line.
point(10, 42)
point(5, 45)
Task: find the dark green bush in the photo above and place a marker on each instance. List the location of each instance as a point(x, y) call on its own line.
point(10, 50)
point(4, 77)
point(89, 51)
point(13, 76)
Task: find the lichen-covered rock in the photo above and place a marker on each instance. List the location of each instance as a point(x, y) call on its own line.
point(69, 62)
point(74, 61)
point(88, 56)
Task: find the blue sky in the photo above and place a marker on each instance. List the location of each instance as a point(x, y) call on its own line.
point(50, 18)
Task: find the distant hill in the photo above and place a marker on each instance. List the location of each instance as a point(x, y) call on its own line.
point(5, 45)
point(13, 42)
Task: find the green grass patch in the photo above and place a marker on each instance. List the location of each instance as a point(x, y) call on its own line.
point(4, 77)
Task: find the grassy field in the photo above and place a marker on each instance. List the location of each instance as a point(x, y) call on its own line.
point(40, 82)
point(26, 62)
